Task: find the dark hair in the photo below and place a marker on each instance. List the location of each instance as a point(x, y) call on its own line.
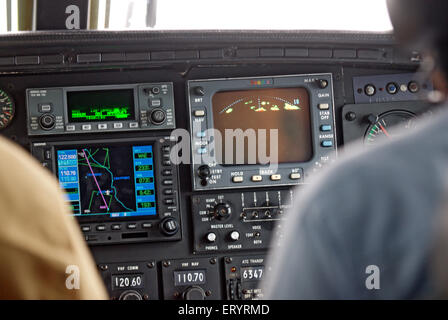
point(423, 24)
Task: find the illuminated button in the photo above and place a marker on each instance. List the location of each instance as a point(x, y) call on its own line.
point(167, 182)
point(133, 125)
point(325, 127)
point(199, 113)
point(101, 227)
point(200, 134)
point(167, 172)
point(116, 227)
point(257, 178)
point(118, 125)
point(86, 127)
point(85, 228)
point(202, 150)
point(295, 175)
point(326, 143)
point(323, 106)
point(102, 126)
point(168, 191)
point(237, 179)
point(70, 127)
point(132, 226)
point(276, 177)
point(169, 201)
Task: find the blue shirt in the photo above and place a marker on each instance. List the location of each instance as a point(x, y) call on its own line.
point(374, 207)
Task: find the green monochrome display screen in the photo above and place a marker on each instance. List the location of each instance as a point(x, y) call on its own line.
point(100, 105)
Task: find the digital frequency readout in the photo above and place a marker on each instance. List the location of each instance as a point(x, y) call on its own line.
point(98, 114)
point(101, 105)
point(117, 181)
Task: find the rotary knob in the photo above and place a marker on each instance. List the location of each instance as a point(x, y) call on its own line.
point(234, 235)
point(169, 226)
point(130, 295)
point(199, 91)
point(222, 211)
point(210, 237)
point(194, 293)
point(204, 171)
point(158, 116)
point(47, 121)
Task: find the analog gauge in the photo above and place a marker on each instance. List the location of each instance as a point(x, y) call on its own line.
point(388, 125)
point(7, 109)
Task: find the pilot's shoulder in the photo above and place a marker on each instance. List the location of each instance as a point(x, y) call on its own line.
point(30, 181)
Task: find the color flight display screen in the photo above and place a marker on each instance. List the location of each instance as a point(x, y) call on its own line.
point(284, 109)
point(108, 180)
point(100, 105)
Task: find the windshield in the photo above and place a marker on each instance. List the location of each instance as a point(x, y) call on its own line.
point(349, 15)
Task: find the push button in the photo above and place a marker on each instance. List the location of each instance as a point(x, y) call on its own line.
point(116, 227)
point(323, 106)
point(167, 172)
point(47, 154)
point(45, 107)
point(169, 201)
point(147, 225)
point(237, 179)
point(276, 177)
point(257, 178)
point(132, 226)
point(102, 126)
point(101, 227)
point(85, 228)
point(325, 127)
point(86, 127)
point(202, 150)
point(156, 102)
point(118, 125)
point(327, 143)
point(168, 192)
point(295, 176)
point(167, 182)
point(199, 113)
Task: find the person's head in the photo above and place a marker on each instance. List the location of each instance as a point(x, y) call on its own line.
point(423, 25)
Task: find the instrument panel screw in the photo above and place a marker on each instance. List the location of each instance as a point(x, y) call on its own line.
point(166, 264)
point(150, 264)
point(208, 293)
point(228, 260)
point(213, 260)
point(176, 294)
point(145, 297)
point(104, 267)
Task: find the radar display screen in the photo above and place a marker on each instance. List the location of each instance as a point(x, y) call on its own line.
point(284, 109)
point(113, 181)
point(101, 105)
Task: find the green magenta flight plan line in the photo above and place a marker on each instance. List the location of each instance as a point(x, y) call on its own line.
point(98, 165)
point(102, 113)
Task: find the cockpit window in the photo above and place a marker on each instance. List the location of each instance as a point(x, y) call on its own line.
point(350, 15)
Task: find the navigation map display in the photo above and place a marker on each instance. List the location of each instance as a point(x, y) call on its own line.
point(108, 180)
